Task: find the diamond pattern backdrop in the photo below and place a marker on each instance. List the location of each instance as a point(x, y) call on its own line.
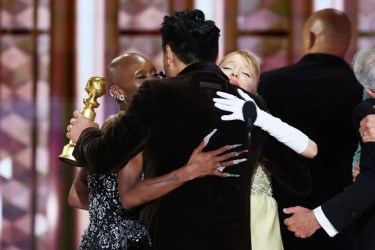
point(24, 103)
point(143, 17)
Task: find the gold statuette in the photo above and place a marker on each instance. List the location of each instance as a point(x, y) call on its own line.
point(95, 87)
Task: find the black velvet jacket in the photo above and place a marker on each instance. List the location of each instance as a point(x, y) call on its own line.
point(167, 119)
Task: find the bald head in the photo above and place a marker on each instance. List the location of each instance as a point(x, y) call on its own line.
point(123, 62)
point(327, 31)
point(127, 72)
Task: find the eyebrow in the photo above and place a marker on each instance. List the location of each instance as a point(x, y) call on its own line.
point(228, 62)
point(141, 70)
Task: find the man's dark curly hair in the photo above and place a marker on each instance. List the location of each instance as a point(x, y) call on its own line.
point(190, 36)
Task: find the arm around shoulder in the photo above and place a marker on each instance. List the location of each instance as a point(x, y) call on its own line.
point(134, 191)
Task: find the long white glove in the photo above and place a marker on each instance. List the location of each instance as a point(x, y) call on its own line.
point(283, 132)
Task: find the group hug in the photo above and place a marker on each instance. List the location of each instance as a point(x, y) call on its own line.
point(214, 154)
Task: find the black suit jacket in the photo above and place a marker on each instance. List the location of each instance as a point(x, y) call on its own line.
point(316, 95)
point(167, 119)
point(358, 198)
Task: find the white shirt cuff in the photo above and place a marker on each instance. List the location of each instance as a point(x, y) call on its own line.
point(324, 222)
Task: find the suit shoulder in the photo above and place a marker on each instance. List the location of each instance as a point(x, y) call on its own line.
point(278, 71)
point(161, 83)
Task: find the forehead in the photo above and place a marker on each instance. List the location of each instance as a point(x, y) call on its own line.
point(134, 64)
point(238, 60)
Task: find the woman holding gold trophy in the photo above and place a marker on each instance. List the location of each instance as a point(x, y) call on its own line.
point(105, 196)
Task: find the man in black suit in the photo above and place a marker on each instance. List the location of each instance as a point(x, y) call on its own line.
point(168, 118)
point(357, 202)
point(317, 95)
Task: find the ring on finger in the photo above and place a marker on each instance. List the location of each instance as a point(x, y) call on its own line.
point(221, 168)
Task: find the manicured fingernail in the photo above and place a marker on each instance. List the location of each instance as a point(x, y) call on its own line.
point(208, 137)
point(234, 146)
point(238, 161)
point(233, 175)
point(241, 152)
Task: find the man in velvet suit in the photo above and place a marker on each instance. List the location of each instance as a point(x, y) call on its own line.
point(357, 202)
point(167, 119)
point(317, 95)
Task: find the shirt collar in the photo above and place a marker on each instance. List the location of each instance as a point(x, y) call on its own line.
point(202, 66)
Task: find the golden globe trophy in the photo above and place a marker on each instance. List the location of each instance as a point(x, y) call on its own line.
point(95, 87)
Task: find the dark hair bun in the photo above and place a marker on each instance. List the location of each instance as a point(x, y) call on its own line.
point(197, 15)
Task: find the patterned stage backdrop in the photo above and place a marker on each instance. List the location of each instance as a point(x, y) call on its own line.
point(142, 20)
point(366, 23)
point(24, 123)
point(264, 28)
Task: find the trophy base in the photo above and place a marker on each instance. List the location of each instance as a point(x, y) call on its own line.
point(67, 155)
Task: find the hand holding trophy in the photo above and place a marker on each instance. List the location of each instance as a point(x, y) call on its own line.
point(95, 87)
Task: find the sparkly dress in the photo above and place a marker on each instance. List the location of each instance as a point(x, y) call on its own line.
point(265, 228)
point(111, 226)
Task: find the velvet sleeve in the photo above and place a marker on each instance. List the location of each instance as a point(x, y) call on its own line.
point(105, 152)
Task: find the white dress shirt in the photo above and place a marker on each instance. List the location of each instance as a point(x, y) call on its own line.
point(324, 222)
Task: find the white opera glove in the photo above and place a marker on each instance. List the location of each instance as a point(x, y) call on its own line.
point(283, 132)
point(235, 105)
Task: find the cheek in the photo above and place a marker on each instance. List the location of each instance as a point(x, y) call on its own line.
point(226, 72)
point(248, 84)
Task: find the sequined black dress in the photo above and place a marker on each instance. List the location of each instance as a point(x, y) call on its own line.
point(111, 226)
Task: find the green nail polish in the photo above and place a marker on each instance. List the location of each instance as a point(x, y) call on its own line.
point(233, 175)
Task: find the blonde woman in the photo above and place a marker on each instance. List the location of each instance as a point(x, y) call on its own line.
point(242, 69)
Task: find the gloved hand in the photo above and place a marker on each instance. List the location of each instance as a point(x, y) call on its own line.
point(283, 132)
point(236, 105)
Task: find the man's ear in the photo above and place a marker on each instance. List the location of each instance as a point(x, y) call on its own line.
point(312, 39)
point(169, 54)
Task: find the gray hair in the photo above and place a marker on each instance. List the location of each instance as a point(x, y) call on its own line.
point(364, 67)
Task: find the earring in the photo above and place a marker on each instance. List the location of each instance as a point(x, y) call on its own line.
point(120, 97)
point(116, 96)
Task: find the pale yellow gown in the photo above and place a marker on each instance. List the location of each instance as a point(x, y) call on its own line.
point(265, 227)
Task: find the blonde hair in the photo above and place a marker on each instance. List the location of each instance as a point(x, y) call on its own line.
point(250, 59)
